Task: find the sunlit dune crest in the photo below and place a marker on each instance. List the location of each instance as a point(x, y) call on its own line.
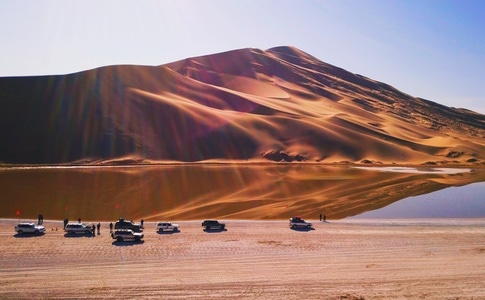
point(281, 105)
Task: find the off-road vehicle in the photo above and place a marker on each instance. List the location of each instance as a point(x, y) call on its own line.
point(73, 228)
point(31, 228)
point(164, 226)
point(298, 222)
point(213, 225)
point(121, 235)
point(126, 224)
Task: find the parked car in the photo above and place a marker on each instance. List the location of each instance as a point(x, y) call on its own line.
point(298, 222)
point(164, 226)
point(126, 224)
point(74, 228)
point(29, 228)
point(213, 224)
point(121, 235)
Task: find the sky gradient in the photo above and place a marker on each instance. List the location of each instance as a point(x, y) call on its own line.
point(434, 49)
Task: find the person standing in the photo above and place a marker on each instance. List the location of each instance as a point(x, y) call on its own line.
point(110, 227)
point(79, 220)
point(94, 230)
point(40, 220)
point(320, 217)
point(141, 222)
point(99, 228)
point(65, 222)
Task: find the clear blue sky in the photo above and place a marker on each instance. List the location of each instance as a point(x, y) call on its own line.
point(434, 49)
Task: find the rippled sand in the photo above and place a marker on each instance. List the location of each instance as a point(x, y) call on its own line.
point(432, 259)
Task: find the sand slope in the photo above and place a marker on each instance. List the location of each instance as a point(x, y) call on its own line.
point(281, 104)
point(440, 259)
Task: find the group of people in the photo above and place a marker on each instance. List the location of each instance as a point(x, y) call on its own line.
point(323, 218)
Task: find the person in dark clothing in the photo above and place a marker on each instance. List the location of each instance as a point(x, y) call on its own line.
point(110, 227)
point(65, 222)
point(79, 220)
point(320, 217)
point(41, 219)
point(99, 228)
point(94, 230)
point(141, 222)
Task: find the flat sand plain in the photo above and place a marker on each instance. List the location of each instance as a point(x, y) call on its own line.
point(346, 259)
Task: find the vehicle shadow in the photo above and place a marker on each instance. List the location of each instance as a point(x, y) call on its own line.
point(27, 235)
point(77, 235)
point(303, 229)
point(214, 230)
point(168, 232)
point(127, 243)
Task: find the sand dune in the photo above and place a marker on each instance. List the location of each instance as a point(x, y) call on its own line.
point(281, 104)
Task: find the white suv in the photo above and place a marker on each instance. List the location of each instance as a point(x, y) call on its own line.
point(162, 226)
point(29, 228)
point(121, 235)
point(73, 228)
point(298, 222)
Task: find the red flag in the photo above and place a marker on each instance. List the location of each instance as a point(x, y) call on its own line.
point(17, 212)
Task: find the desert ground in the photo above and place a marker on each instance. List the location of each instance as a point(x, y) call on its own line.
point(339, 259)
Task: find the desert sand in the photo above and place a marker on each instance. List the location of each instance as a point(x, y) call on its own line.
point(345, 259)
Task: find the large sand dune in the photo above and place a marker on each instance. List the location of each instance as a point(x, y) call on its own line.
point(279, 105)
point(425, 259)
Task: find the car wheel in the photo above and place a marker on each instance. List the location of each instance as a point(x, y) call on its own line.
point(20, 232)
point(119, 239)
point(175, 229)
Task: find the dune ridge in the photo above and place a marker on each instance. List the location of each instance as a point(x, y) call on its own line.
point(281, 104)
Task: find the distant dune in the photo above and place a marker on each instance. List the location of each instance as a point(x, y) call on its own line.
point(281, 104)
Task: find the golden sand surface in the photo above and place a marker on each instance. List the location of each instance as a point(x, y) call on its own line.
point(277, 105)
point(346, 259)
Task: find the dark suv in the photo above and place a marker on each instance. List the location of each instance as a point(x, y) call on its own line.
point(125, 224)
point(213, 224)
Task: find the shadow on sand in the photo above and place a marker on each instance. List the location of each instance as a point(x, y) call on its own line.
point(214, 230)
point(127, 243)
point(304, 229)
point(27, 235)
point(75, 235)
point(168, 232)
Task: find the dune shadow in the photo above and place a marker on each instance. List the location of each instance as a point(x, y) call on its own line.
point(127, 243)
point(27, 235)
